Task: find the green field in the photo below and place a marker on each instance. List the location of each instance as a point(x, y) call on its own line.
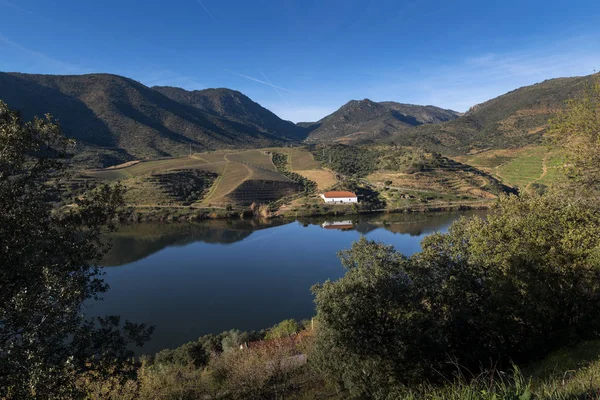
point(519, 167)
point(524, 169)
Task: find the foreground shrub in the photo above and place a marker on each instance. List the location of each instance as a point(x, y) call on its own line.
point(513, 287)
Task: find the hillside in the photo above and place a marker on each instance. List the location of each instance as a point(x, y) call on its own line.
point(117, 119)
point(218, 178)
point(515, 119)
point(366, 120)
point(235, 106)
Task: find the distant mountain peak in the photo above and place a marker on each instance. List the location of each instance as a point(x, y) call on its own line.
point(367, 120)
point(236, 106)
point(117, 119)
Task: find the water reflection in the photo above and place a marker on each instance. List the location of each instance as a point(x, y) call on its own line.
point(136, 242)
point(197, 278)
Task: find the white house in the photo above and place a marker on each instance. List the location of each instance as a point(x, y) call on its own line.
point(339, 197)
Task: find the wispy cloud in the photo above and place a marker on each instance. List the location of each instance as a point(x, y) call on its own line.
point(480, 77)
point(45, 62)
point(275, 88)
point(206, 9)
point(22, 10)
point(259, 81)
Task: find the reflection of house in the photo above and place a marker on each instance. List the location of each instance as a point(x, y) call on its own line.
point(338, 225)
point(339, 197)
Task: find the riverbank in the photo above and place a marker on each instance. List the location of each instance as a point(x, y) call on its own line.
point(165, 213)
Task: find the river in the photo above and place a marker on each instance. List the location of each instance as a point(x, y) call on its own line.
point(207, 277)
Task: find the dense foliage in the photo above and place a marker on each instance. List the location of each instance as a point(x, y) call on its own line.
point(513, 287)
point(187, 186)
point(575, 131)
point(347, 160)
point(48, 270)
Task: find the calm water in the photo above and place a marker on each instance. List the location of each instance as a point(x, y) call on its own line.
point(192, 279)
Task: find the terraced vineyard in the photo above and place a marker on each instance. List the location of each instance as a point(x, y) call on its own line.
point(520, 167)
point(240, 178)
point(447, 180)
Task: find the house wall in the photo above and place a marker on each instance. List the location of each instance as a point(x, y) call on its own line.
point(340, 200)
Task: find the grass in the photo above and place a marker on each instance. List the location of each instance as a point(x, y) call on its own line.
point(524, 169)
point(254, 157)
point(232, 176)
point(554, 163)
point(518, 167)
point(450, 182)
point(302, 160)
point(233, 168)
point(146, 168)
point(322, 177)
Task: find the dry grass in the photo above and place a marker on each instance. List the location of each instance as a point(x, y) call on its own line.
point(146, 168)
point(254, 157)
point(234, 168)
point(234, 174)
point(302, 160)
point(323, 178)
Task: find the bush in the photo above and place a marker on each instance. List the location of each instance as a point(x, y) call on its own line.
point(515, 286)
point(283, 329)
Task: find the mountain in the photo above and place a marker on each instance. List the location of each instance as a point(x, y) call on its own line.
point(366, 120)
point(515, 119)
point(116, 119)
point(235, 106)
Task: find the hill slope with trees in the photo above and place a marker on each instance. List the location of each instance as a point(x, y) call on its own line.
point(515, 119)
point(235, 106)
point(116, 119)
point(366, 120)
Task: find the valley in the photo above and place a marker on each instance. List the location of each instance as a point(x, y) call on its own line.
point(187, 155)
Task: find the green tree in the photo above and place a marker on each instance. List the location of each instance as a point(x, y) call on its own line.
point(285, 328)
point(48, 269)
point(233, 339)
point(575, 131)
point(512, 287)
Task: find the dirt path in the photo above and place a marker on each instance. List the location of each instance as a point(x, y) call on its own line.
point(219, 180)
point(544, 171)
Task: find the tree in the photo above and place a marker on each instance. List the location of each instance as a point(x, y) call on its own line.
point(575, 131)
point(512, 287)
point(363, 321)
point(233, 339)
point(285, 328)
point(48, 269)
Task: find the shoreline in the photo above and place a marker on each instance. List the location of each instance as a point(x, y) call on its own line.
point(177, 214)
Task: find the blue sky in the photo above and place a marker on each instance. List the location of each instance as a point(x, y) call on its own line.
point(304, 59)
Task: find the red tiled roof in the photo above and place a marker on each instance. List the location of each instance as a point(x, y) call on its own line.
point(337, 195)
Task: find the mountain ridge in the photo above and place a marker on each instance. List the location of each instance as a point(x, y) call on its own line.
point(117, 119)
point(364, 120)
point(234, 105)
point(514, 119)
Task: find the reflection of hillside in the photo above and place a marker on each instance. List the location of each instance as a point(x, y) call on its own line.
point(413, 224)
point(134, 242)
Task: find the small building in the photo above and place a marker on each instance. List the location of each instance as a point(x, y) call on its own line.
point(339, 197)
